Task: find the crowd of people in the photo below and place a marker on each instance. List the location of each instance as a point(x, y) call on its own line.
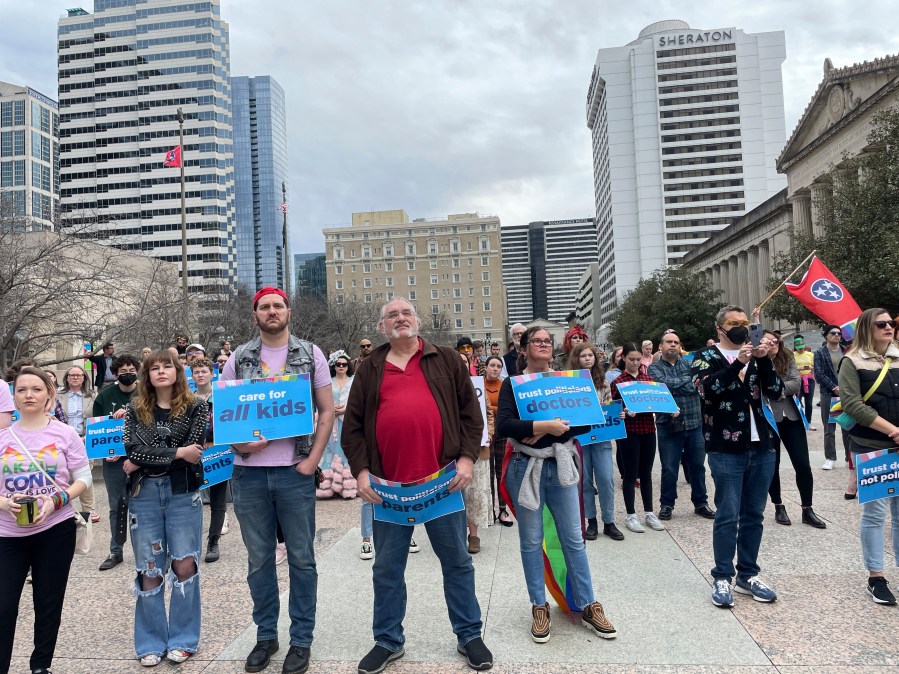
point(403, 410)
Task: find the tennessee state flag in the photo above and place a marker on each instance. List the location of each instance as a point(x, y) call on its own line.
point(820, 292)
point(172, 157)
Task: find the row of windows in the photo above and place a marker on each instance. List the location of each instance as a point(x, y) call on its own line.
point(680, 236)
point(680, 137)
point(73, 116)
point(724, 208)
point(65, 44)
point(699, 123)
point(703, 86)
point(69, 72)
point(12, 173)
point(693, 161)
point(701, 222)
point(706, 185)
point(12, 113)
point(433, 248)
point(109, 65)
point(12, 143)
point(693, 63)
point(177, 9)
point(697, 74)
point(113, 34)
point(717, 196)
point(177, 39)
point(702, 148)
point(40, 177)
point(410, 264)
point(701, 173)
point(707, 98)
point(690, 112)
point(66, 88)
point(690, 51)
point(183, 23)
point(457, 292)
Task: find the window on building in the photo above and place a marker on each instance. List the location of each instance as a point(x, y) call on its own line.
point(435, 294)
point(366, 251)
point(353, 283)
point(410, 248)
point(457, 308)
point(432, 247)
point(458, 323)
point(433, 279)
point(340, 299)
point(410, 265)
point(388, 281)
point(471, 322)
point(338, 268)
point(454, 246)
point(388, 266)
point(366, 268)
point(435, 308)
point(457, 292)
point(468, 245)
point(486, 291)
point(338, 253)
point(432, 264)
point(457, 278)
point(366, 298)
point(485, 275)
point(411, 280)
point(366, 283)
point(471, 306)
point(484, 244)
point(471, 292)
point(412, 295)
point(456, 262)
point(338, 284)
point(487, 306)
point(389, 296)
point(388, 250)
point(488, 322)
point(485, 261)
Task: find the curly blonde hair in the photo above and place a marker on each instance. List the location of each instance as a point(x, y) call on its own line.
point(144, 399)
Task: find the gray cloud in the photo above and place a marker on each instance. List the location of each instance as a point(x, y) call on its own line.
point(442, 107)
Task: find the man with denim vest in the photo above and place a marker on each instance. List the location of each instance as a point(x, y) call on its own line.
point(274, 483)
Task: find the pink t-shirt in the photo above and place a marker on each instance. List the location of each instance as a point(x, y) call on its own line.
point(58, 449)
point(6, 403)
point(279, 452)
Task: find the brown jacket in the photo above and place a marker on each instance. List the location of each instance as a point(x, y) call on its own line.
point(451, 387)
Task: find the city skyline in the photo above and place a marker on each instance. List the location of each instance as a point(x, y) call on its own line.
point(468, 115)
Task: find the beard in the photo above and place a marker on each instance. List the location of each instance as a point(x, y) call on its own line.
point(272, 328)
point(394, 333)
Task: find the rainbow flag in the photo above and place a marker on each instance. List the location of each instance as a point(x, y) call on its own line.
point(555, 570)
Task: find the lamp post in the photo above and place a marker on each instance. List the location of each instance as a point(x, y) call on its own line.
point(183, 212)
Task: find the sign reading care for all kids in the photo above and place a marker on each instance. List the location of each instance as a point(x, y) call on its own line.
point(647, 396)
point(277, 407)
point(568, 395)
point(103, 437)
point(612, 429)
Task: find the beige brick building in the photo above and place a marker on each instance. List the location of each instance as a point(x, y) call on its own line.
point(450, 269)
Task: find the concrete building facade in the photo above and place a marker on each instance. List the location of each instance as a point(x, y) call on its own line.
point(29, 158)
point(542, 262)
point(686, 124)
point(260, 168)
point(124, 71)
point(449, 269)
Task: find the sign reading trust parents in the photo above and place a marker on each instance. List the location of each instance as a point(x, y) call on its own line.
point(412, 503)
point(568, 395)
point(218, 465)
point(647, 396)
point(277, 407)
point(103, 437)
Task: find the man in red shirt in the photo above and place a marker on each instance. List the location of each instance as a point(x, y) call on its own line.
point(411, 411)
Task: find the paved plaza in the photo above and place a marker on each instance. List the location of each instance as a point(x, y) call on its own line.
point(654, 586)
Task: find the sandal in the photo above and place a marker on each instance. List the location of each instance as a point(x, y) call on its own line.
point(505, 518)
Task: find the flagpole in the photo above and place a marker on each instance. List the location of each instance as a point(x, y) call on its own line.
point(183, 210)
point(284, 238)
point(784, 282)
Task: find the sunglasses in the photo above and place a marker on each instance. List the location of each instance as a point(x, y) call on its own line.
point(365, 346)
point(835, 332)
point(735, 324)
point(465, 347)
point(883, 325)
point(341, 364)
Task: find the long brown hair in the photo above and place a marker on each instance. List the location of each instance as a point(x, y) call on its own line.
point(864, 331)
point(598, 371)
point(144, 399)
point(784, 356)
point(40, 374)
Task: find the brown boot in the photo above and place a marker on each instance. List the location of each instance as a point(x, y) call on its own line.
point(541, 625)
point(474, 544)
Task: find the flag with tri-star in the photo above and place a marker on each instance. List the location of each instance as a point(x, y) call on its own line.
point(172, 157)
point(821, 292)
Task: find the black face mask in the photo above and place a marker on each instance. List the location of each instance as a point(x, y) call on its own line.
point(127, 378)
point(738, 335)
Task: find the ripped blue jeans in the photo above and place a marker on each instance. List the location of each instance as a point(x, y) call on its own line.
point(166, 527)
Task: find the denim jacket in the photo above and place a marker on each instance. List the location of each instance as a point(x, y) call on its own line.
point(300, 360)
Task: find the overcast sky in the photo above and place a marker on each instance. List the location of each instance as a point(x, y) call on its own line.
point(457, 106)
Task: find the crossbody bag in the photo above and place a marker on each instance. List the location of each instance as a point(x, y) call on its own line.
point(845, 420)
point(84, 531)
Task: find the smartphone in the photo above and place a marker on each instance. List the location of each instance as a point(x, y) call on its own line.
point(755, 334)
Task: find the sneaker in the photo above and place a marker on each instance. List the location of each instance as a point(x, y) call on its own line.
point(413, 546)
point(378, 658)
point(261, 655)
point(592, 532)
point(477, 654)
point(755, 587)
point(653, 522)
point(150, 660)
point(367, 551)
point(225, 525)
point(541, 625)
point(95, 517)
point(280, 553)
point(177, 655)
point(212, 552)
point(722, 595)
point(879, 590)
point(297, 660)
point(593, 617)
point(612, 532)
point(665, 512)
point(110, 562)
point(812, 428)
point(828, 465)
point(633, 524)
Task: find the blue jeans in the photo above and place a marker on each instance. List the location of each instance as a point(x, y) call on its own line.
point(368, 516)
point(564, 504)
point(263, 498)
point(691, 444)
point(741, 491)
point(598, 467)
point(447, 535)
point(166, 526)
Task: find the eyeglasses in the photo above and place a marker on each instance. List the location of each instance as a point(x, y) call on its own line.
point(835, 332)
point(75, 376)
point(735, 324)
point(883, 325)
point(541, 342)
point(405, 313)
point(366, 346)
point(341, 364)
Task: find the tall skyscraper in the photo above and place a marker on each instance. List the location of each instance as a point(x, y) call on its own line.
point(542, 263)
point(29, 158)
point(260, 162)
point(687, 125)
point(123, 73)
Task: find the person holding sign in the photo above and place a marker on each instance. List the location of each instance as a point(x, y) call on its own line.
point(598, 455)
point(37, 525)
point(274, 483)
point(165, 427)
point(412, 411)
point(790, 432)
point(541, 469)
point(869, 381)
point(638, 449)
point(730, 377)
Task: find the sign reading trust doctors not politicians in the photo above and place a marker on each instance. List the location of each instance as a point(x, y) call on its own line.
point(247, 409)
point(878, 475)
point(568, 395)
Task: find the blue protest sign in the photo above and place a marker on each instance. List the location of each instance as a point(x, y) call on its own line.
point(247, 409)
point(798, 401)
point(878, 475)
point(612, 429)
point(647, 396)
point(218, 464)
point(417, 502)
point(769, 416)
point(568, 395)
point(103, 437)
